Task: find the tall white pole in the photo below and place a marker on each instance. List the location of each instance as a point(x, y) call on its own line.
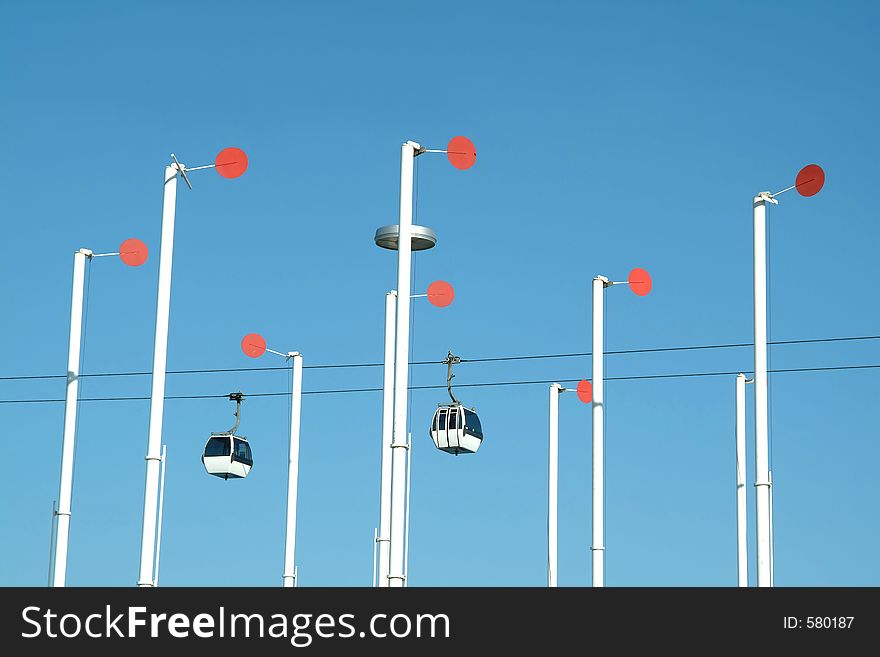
point(408, 490)
point(553, 485)
point(772, 544)
point(598, 546)
point(742, 559)
point(384, 537)
point(762, 476)
point(157, 395)
point(161, 509)
point(293, 473)
point(401, 363)
point(375, 546)
point(67, 446)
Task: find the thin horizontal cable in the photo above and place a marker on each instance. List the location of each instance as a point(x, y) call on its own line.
point(208, 371)
point(665, 349)
point(465, 385)
point(463, 360)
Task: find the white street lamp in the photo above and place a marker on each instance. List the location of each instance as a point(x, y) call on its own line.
point(584, 394)
point(132, 252)
point(639, 282)
point(254, 346)
point(742, 561)
point(229, 163)
point(809, 181)
point(462, 155)
point(440, 293)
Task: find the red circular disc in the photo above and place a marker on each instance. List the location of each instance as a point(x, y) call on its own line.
point(231, 162)
point(585, 391)
point(810, 180)
point(133, 252)
point(639, 281)
point(253, 345)
point(461, 152)
point(440, 294)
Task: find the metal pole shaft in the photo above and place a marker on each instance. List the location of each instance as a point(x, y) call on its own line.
point(742, 560)
point(762, 477)
point(401, 362)
point(52, 524)
point(553, 486)
point(598, 546)
point(770, 511)
point(375, 546)
point(384, 537)
point(157, 395)
point(408, 490)
point(161, 509)
point(68, 442)
point(293, 474)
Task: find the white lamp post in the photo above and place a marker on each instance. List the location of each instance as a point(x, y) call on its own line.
point(584, 394)
point(133, 252)
point(254, 346)
point(809, 181)
point(553, 485)
point(405, 238)
point(230, 163)
point(383, 538)
point(742, 562)
point(640, 283)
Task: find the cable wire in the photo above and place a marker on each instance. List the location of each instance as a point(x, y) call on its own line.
point(489, 384)
point(463, 360)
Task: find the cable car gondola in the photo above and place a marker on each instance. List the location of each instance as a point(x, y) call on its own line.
point(455, 429)
point(227, 455)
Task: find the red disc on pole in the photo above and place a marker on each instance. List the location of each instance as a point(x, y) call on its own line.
point(810, 180)
point(461, 152)
point(253, 345)
point(585, 391)
point(440, 294)
point(133, 252)
point(231, 162)
point(639, 281)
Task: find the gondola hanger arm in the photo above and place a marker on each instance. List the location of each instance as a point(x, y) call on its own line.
point(237, 397)
point(451, 360)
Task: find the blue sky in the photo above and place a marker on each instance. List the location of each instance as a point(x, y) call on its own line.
point(609, 136)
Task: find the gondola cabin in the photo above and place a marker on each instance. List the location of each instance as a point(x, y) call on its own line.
point(456, 429)
point(228, 456)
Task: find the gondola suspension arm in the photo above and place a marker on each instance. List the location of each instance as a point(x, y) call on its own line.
point(237, 397)
point(451, 360)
